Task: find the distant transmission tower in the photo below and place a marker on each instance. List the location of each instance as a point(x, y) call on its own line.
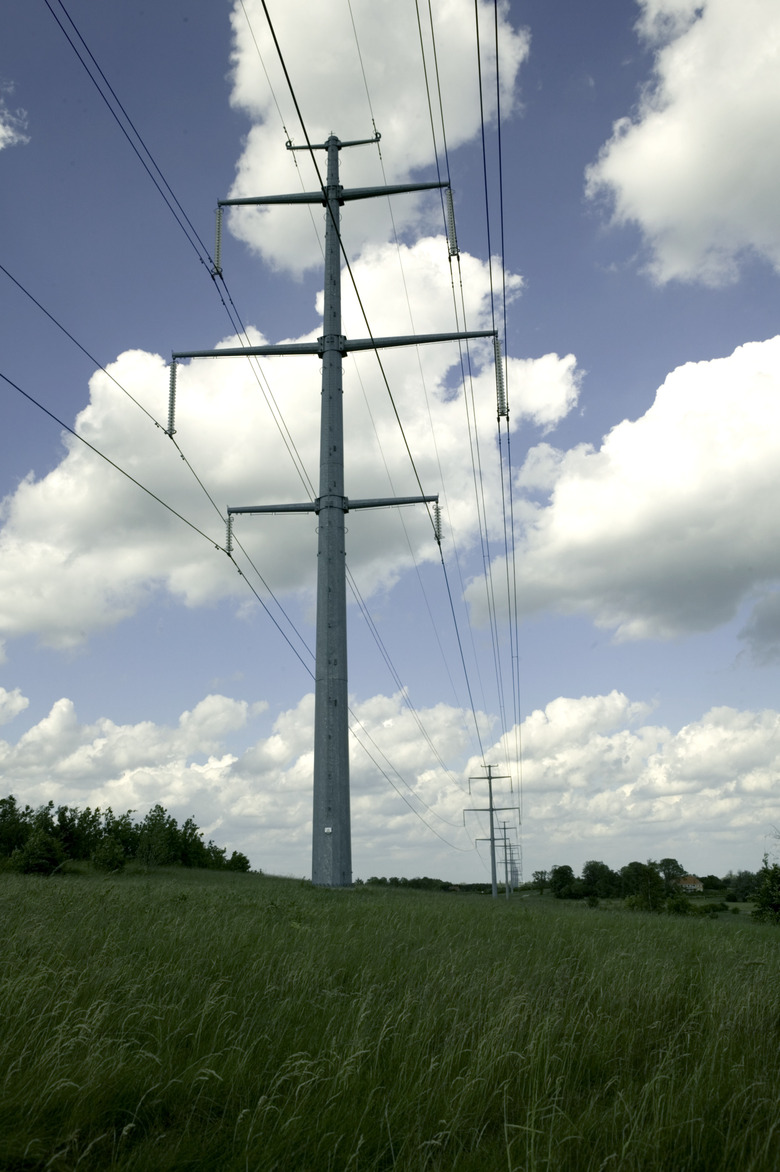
point(331, 833)
point(491, 810)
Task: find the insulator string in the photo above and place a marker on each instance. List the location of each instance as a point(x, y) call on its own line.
point(217, 270)
point(452, 239)
point(170, 430)
point(503, 412)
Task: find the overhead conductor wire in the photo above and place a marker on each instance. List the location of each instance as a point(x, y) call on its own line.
point(437, 532)
point(348, 266)
point(512, 611)
point(215, 271)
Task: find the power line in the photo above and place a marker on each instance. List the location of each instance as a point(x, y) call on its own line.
point(132, 135)
point(197, 238)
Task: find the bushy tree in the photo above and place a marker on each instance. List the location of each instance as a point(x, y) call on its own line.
point(767, 893)
point(540, 880)
point(15, 825)
point(671, 872)
point(192, 851)
point(600, 881)
point(79, 831)
point(743, 884)
point(563, 883)
point(237, 862)
point(108, 854)
point(158, 841)
point(122, 828)
point(41, 854)
point(643, 886)
point(105, 838)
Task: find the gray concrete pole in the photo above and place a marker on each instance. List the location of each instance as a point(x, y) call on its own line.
point(331, 837)
point(493, 877)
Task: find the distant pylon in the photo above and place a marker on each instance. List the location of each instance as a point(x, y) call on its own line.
point(491, 809)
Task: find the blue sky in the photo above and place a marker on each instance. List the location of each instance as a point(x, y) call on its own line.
point(641, 245)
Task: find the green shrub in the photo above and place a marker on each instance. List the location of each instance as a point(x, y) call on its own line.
point(41, 854)
point(108, 855)
point(767, 894)
point(237, 862)
point(678, 905)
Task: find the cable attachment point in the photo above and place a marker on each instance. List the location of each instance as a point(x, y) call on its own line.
point(229, 535)
point(452, 239)
point(503, 411)
point(217, 270)
point(437, 522)
point(170, 429)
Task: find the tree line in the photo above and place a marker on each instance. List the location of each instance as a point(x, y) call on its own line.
point(655, 886)
point(40, 841)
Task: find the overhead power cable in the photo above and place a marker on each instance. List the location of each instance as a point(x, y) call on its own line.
point(140, 149)
point(129, 130)
point(155, 173)
point(159, 500)
point(241, 573)
point(469, 398)
point(108, 460)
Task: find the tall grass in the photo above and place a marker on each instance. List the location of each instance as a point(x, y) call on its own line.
point(189, 1021)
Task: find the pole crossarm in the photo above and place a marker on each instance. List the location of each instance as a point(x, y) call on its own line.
point(342, 344)
point(415, 339)
point(342, 194)
point(347, 504)
point(484, 810)
point(324, 146)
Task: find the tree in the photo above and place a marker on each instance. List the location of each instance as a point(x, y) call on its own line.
point(41, 854)
point(237, 862)
point(767, 893)
point(108, 854)
point(562, 882)
point(15, 825)
point(643, 887)
point(540, 880)
point(599, 880)
point(743, 884)
point(122, 828)
point(671, 872)
point(79, 831)
point(107, 839)
point(159, 840)
point(192, 852)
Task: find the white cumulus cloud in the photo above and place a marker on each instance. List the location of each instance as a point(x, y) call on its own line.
point(13, 122)
point(11, 704)
point(670, 525)
point(320, 46)
point(697, 166)
point(599, 781)
point(82, 547)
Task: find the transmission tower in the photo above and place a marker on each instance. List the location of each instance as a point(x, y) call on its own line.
point(331, 830)
point(491, 809)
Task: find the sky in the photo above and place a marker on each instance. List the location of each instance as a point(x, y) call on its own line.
point(603, 622)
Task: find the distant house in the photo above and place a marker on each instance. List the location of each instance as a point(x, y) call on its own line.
point(690, 884)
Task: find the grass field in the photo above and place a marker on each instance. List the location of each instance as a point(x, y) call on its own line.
point(192, 1020)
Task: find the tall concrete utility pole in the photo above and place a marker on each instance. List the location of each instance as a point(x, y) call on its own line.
point(331, 832)
point(491, 809)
